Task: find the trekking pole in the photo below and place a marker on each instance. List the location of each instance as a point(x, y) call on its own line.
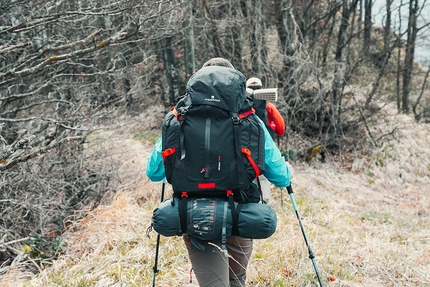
point(311, 254)
point(155, 268)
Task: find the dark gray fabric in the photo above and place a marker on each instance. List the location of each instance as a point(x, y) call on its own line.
point(220, 87)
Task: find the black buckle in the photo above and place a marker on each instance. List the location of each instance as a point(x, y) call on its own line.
point(236, 120)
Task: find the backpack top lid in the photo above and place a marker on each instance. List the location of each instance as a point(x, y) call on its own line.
point(220, 87)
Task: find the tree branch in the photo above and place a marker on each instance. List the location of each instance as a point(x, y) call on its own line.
point(11, 163)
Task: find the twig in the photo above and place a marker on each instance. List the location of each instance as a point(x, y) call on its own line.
point(364, 121)
point(14, 241)
point(38, 152)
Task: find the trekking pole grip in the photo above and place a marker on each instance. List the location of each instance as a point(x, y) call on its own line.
point(289, 189)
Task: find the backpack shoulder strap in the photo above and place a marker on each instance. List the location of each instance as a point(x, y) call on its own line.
point(180, 110)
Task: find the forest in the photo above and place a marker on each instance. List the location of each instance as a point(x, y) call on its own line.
point(69, 69)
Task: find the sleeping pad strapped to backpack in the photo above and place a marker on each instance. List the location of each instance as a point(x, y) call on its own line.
point(213, 144)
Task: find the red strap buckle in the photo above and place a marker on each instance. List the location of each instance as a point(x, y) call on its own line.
point(168, 152)
point(246, 114)
point(229, 192)
point(184, 194)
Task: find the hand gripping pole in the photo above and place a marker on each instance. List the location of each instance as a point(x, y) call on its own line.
point(311, 254)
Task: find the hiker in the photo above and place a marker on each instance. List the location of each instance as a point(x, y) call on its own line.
point(275, 124)
point(274, 121)
point(208, 259)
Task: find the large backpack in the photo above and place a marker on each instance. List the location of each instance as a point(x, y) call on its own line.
point(213, 147)
point(212, 141)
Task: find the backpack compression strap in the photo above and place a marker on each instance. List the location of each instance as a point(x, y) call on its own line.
point(168, 152)
point(234, 213)
point(179, 114)
point(247, 153)
point(182, 206)
point(236, 121)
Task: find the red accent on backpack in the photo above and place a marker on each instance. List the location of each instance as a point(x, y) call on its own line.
point(245, 114)
point(168, 152)
point(247, 152)
point(206, 185)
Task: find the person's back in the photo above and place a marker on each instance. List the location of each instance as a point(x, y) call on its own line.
point(266, 110)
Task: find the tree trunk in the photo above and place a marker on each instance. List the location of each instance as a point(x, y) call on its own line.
point(341, 36)
point(341, 41)
point(213, 33)
point(409, 56)
point(417, 114)
point(285, 28)
point(339, 78)
point(367, 26)
point(190, 60)
point(387, 28)
point(399, 65)
point(258, 34)
point(171, 75)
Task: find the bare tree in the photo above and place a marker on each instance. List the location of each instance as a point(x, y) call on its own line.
point(65, 68)
point(412, 31)
point(63, 64)
point(287, 33)
point(367, 26)
point(388, 27)
point(418, 114)
point(340, 69)
point(189, 46)
point(257, 41)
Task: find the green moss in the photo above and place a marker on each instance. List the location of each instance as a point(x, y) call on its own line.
point(379, 159)
point(147, 136)
point(376, 217)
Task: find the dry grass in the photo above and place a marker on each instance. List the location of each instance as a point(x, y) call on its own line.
point(367, 226)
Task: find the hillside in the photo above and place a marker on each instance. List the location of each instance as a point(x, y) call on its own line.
point(366, 219)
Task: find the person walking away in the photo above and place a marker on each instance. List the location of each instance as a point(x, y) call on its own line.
point(269, 114)
point(209, 263)
point(275, 124)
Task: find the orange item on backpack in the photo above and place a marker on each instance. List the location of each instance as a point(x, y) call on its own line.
point(275, 119)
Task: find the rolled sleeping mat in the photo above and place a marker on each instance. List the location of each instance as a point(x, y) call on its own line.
point(270, 95)
point(205, 217)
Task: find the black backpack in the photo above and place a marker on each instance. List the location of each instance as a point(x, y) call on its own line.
point(261, 111)
point(212, 141)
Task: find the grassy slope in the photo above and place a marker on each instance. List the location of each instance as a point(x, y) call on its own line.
point(367, 224)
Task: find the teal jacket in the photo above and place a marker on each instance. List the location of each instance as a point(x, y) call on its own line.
point(276, 169)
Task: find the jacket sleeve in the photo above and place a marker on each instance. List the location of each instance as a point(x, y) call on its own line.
point(275, 117)
point(276, 169)
point(155, 164)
